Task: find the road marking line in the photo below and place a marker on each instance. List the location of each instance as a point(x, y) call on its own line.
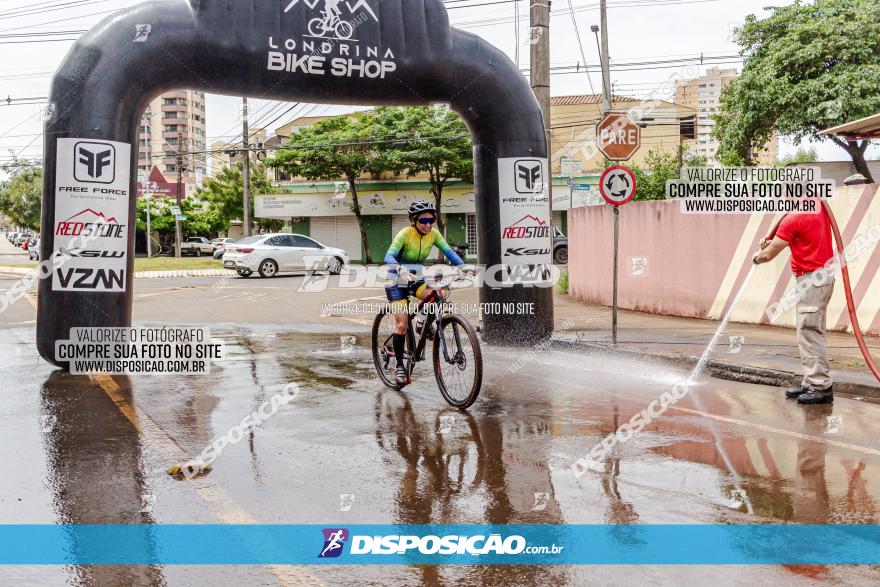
point(220, 503)
point(112, 390)
point(764, 427)
point(782, 431)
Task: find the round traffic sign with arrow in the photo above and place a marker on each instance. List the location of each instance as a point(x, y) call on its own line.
point(618, 185)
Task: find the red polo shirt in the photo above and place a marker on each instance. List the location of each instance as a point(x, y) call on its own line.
point(809, 238)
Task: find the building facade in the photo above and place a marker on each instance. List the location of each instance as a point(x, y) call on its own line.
point(172, 127)
point(703, 94)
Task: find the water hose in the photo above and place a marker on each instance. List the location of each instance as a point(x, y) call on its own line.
point(847, 287)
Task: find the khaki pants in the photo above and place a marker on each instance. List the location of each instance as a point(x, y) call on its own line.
point(811, 324)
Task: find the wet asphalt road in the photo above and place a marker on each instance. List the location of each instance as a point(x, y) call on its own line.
point(80, 450)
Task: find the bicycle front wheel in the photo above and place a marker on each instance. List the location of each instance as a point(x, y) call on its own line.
point(459, 370)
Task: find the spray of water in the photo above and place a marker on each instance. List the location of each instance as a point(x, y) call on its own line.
point(701, 364)
point(704, 359)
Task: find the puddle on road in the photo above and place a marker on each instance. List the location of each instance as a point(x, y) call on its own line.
point(407, 457)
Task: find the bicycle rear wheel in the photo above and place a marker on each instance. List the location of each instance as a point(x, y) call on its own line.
point(383, 349)
point(459, 371)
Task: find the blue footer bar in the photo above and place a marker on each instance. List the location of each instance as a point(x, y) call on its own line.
point(439, 544)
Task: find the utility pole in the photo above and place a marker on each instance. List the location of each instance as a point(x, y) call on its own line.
point(606, 62)
point(246, 172)
point(149, 197)
point(539, 37)
point(178, 237)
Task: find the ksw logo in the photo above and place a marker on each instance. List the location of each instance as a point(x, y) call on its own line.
point(82, 254)
point(519, 230)
point(529, 176)
point(523, 252)
point(95, 163)
point(91, 279)
point(334, 541)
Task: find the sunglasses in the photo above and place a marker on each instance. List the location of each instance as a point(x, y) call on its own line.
point(426, 221)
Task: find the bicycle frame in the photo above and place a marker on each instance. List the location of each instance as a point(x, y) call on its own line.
point(438, 299)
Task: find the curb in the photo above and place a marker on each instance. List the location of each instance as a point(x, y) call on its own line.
point(147, 274)
point(721, 369)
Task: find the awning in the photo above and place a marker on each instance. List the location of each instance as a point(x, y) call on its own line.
point(866, 128)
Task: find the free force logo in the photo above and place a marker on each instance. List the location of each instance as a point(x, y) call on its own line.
point(529, 176)
point(94, 163)
point(334, 541)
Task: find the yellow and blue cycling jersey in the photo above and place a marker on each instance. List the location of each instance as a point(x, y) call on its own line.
point(411, 249)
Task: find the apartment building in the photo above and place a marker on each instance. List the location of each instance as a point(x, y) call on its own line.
point(703, 94)
point(173, 126)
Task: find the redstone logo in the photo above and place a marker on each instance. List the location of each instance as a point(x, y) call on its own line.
point(527, 227)
point(86, 223)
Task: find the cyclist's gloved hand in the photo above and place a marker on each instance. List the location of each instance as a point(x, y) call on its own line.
point(467, 270)
point(404, 274)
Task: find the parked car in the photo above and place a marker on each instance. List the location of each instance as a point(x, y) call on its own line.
point(22, 236)
point(34, 249)
point(222, 242)
point(560, 247)
point(196, 246)
point(271, 254)
point(10, 236)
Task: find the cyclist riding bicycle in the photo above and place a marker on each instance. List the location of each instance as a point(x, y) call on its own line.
point(406, 257)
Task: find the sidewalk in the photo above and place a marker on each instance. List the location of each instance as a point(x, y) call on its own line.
point(768, 355)
point(146, 274)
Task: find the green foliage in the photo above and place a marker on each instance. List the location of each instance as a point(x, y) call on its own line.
point(802, 155)
point(562, 284)
point(338, 147)
point(225, 193)
point(808, 67)
point(441, 160)
point(202, 218)
point(651, 183)
point(21, 194)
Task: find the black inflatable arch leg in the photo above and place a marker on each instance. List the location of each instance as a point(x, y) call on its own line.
point(392, 52)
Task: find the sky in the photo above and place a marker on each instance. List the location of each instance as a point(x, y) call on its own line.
point(639, 31)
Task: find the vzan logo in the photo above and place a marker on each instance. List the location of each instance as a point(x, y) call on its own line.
point(94, 163)
point(529, 176)
point(329, 46)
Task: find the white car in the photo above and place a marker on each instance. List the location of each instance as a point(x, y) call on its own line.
point(271, 254)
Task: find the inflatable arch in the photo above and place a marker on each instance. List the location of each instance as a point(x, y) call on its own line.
point(399, 52)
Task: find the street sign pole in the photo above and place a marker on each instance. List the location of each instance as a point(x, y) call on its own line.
point(149, 197)
point(614, 290)
point(618, 186)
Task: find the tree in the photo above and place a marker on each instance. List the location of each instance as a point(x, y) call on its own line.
point(339, 147)
point(801, 156)
point(651, 183)
point(225, 193)
point(21, 194)
point(441, 160)
point(808, 67)
point(202, 218)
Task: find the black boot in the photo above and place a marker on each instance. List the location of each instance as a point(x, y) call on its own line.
point(795, 392)
point(817, 396)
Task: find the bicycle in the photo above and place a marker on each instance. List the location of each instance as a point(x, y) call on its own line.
point(330, 23)
point(457, 357)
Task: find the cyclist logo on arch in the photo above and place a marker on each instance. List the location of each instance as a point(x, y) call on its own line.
point(331, 23)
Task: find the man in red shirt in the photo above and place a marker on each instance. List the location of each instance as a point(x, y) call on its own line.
point(809, 238)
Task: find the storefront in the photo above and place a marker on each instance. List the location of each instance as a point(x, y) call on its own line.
point(323, 211)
